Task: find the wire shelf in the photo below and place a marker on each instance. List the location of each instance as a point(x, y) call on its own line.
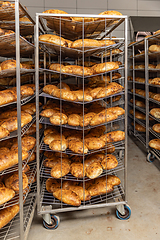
point(77, 53)
point(73, 29)
point(8, 47)
point(80, 76)
point(23, 101)
point(11, 230)
point(143, 69)
point(12, 72)
point(15, 200)
point(48, 199)
point(156, 119)
point(23, 130)
point(118, 145)
point(157, 135)
point(45, 172)
point(140, 137)
point(136, 94)
point(154, 101)
point(140, 44)
point(94, 100)
point(45, 120)
point(141, 122)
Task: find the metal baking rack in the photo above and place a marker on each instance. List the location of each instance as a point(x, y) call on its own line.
point(138, 108)
point(8, 12)
point(138, 135)
point(146, 58)
point(75, 53)
point(74, 29)
point(23, 130)
point(11, 231)
point(23, 101)
point(8, 46)
point(105, 26)
point(46, 172)
point(15, 200)
point(94, 100)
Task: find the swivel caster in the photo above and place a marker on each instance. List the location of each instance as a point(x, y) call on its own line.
point(55, 220)
point(150, 157)
point(126, 215)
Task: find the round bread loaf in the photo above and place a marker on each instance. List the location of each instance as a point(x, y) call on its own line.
point(58, 145)
point(104, 67)
point(156, 127)
point(155, 81)
point(13, 181)
point(9, 64)
point(155, 143)
point(154, 48)
point(60, 170)
point(155, 112)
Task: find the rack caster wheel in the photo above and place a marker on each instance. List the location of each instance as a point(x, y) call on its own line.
point(126, 215)
point(150, 157)
point(54, 222)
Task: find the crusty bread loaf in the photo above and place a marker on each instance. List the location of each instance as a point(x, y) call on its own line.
point(28, 142)
point(74, 120)
point(58, 145)
point(156, 127)
point(9, 64)
point(3, 132)
point(7, 214)
point(154, 48)
point(114, 136)
point(7, 96)
point(109, 162)
point(77, 170)
point(76, 146)
point(80, 43)
point(58, 119)
point(139, 127)
point(51, 137)
point(10, 158)
point(49, 89)
point(94, 143)
point(155, 112)
point(6, 194)
point(60, 170)
point(68, 197)
point(155, 81)
point(104, 67)
point(12, 181)
point(52, 185)
point(54, 39)
point(155, 143)
point(77, 70)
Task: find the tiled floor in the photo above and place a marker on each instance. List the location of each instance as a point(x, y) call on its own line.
point(143, 198)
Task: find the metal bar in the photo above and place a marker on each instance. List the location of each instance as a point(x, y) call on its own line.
point(146, 91)
point(37, 108)
point(18, 82)
point(126, 108)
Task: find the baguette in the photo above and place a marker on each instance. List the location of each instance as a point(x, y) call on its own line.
point(7, 214)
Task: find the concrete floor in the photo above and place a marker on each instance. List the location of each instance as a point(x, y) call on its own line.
point(98, 224)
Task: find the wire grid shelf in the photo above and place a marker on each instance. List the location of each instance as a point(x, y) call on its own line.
point(154, 101)
point(15, 167)
point(49, 96)
point(157, 135)
point(45, 172)
point(23, 101)
point(11, 230)
point(23, 130)
point(80, 76)
point(45, 120)
point(136, 94)
point(136, 82)
point(141, 122)
point(73, 29)
point(48, 199)
point(117, 145)
point(138, 108)
point(75, 53)
point(15, 200)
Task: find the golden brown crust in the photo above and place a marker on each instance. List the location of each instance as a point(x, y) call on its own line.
point(13, 181)
point(77, 70)
point(63, 86)
point(28, 142)
point(58, 119)
point(114, 136)
point(3, 132)
point(80, 95)
point(156, 127)
point(80, 43)
point(58, 145)
point(155, 112)
point(111, 89)
point(82, 194)
point(154, 48)
point(52, 185)
point(87, 119)
point(155, 143)
point(109, 162)
point(49, 89)
point(56, 67)
point(54, 39)
point(74, 120)
point(94, 143)
point(51, 162)
point(98, 189)
point(6, 194)
point(156, 97)
point(76, 146)
point(64, 94)
point(7, 214)
point(68, 197)
point(94, 170)
point(104, 67)
point(60, 170)
point(9, 64)
point(139, 127)
point(77, 170)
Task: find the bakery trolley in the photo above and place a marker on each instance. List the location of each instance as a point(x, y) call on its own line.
point(102, 28)
point(145, 57)
point(18, 227)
